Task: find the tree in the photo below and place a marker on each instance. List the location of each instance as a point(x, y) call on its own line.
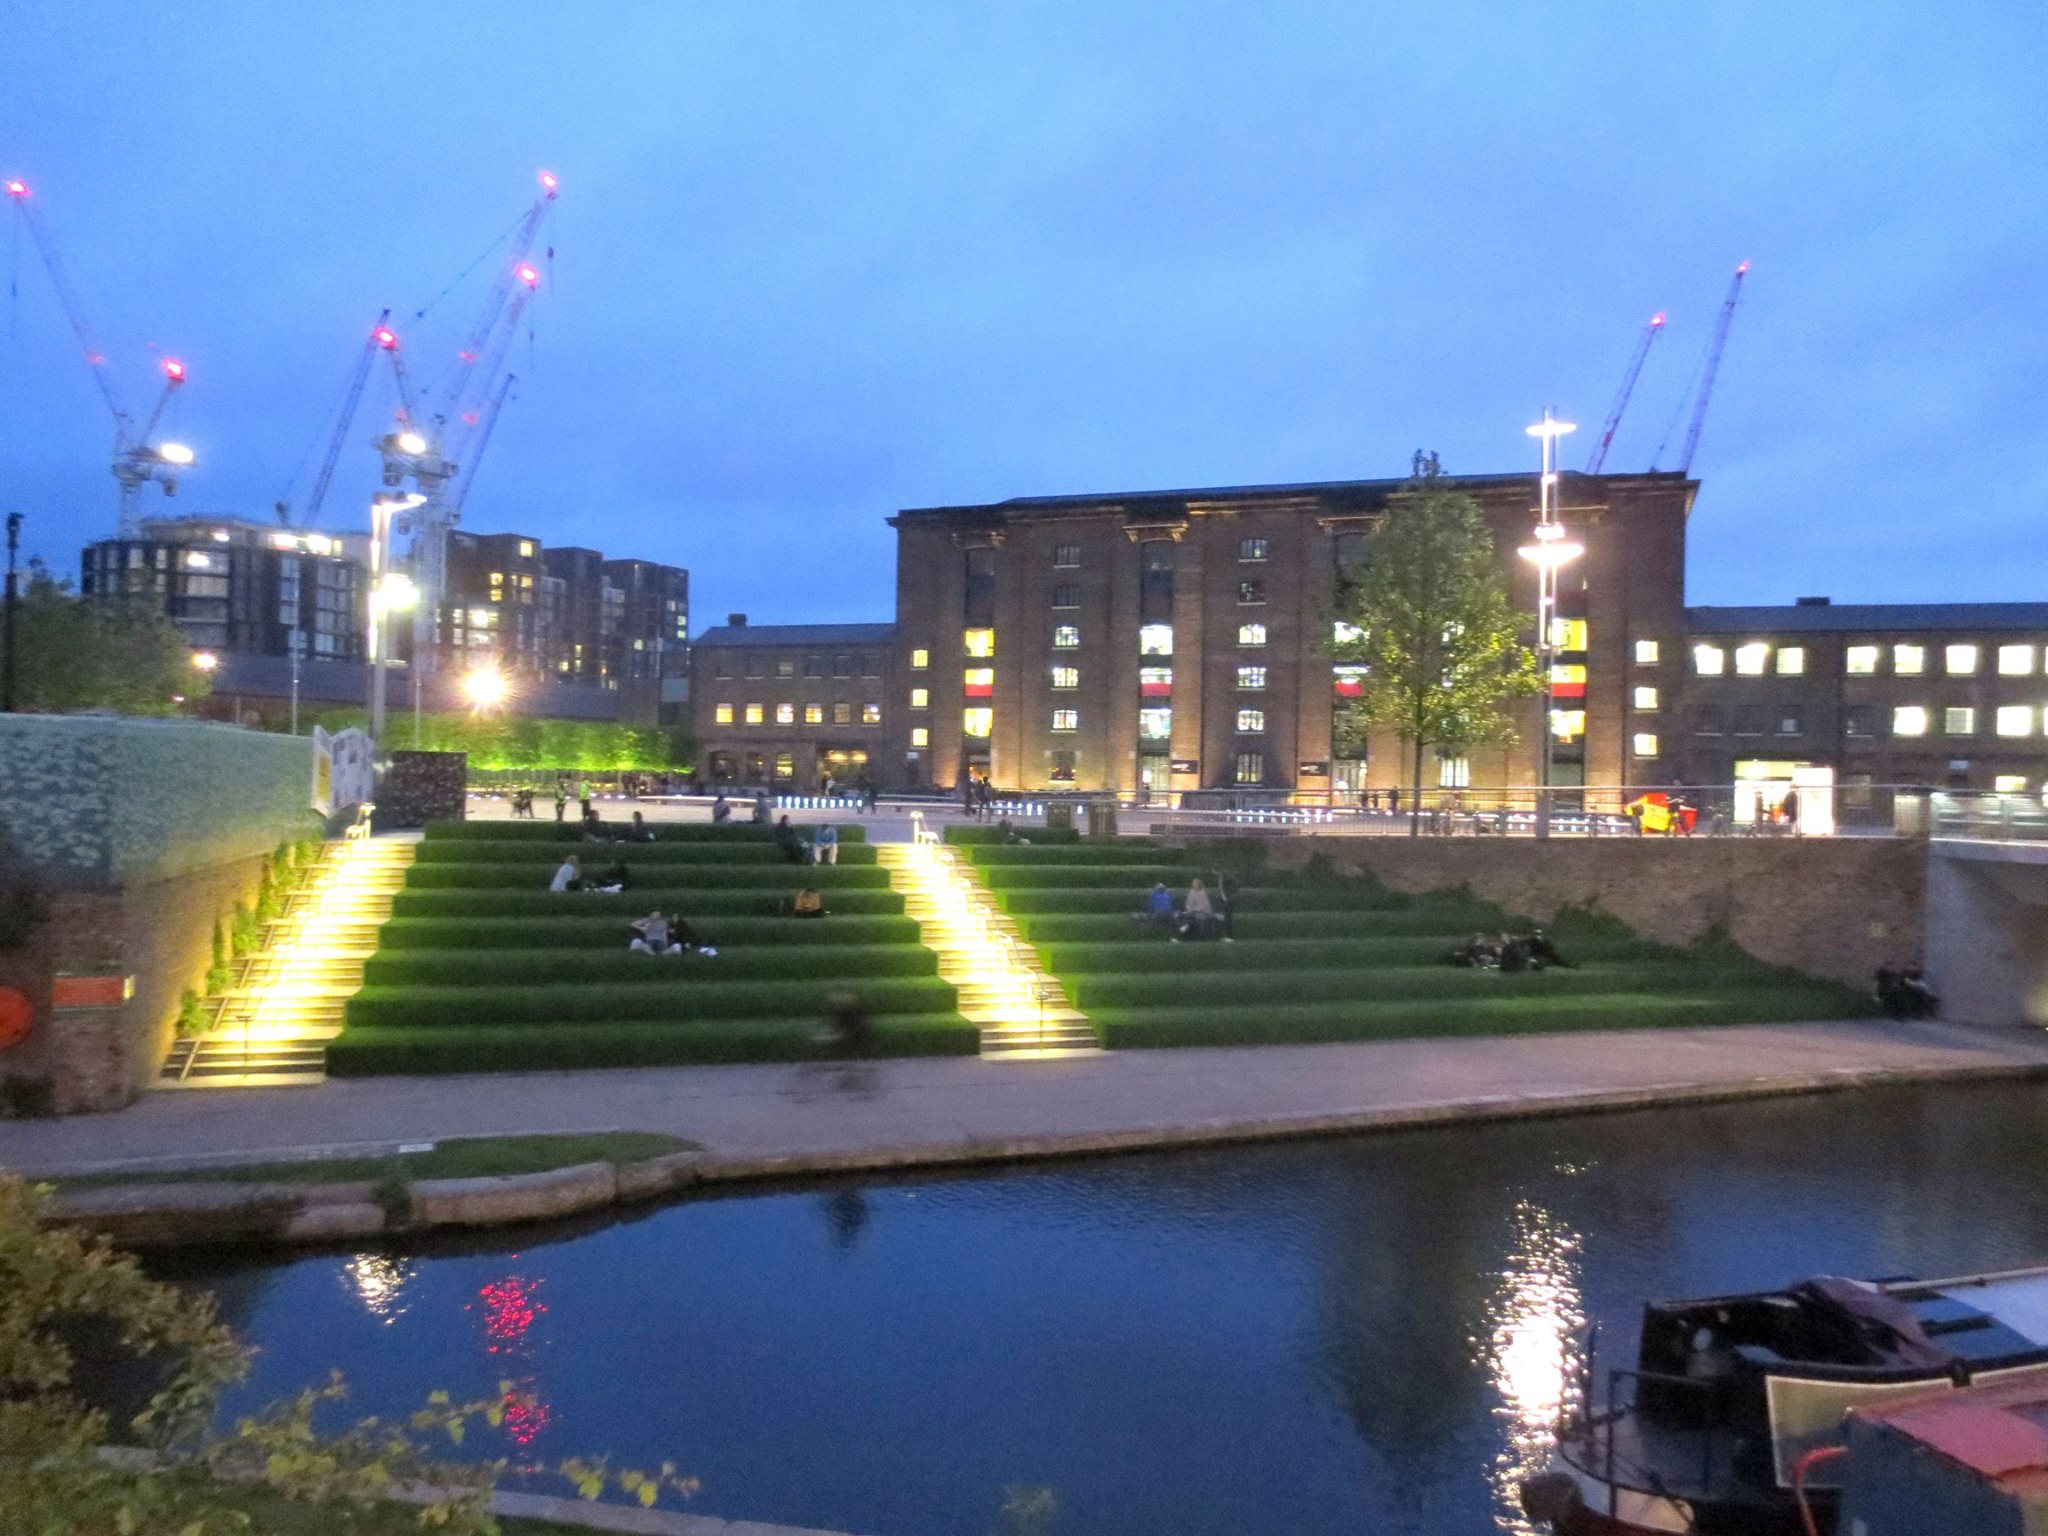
point(118, 652)
point(1430, 622)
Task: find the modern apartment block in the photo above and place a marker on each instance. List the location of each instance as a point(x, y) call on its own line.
point(791, 705)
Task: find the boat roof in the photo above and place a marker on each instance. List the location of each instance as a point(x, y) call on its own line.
point(1980, 1316)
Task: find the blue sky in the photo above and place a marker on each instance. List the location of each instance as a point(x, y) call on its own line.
point(816, 262)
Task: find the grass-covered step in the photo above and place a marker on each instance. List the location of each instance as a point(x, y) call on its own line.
point(1090, 877)
point(1072, 855)
point(780, 877)
point(547, 831)
point(1291, 954)
point(678, 989)
point(693, 902)
point(1121, 927)
point(542, 967)
point(608, 931)
point(981, 836)
point(1272, 987)
point(631, 1042)
point(1124, 897)
point(598, 855)
point(1501, 1015)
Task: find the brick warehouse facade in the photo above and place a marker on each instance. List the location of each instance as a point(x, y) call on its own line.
point(792, 705)
point(1179, 640)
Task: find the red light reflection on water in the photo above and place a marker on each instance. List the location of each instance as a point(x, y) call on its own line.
point(508, 1309)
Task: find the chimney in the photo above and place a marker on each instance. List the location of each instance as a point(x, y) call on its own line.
point(1813, 602)
point(739, 620)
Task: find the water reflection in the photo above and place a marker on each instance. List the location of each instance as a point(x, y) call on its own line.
point(1533, 1350)
point(846, 1216)
point(507, 1309)
point(379, 1282)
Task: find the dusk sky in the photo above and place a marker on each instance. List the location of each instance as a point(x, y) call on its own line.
point(817, 262)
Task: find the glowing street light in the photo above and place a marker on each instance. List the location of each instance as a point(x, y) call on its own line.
point(174, 453)
point(205, 661)
point(486, 687)
point(1553, 548)
point(411, 442)
point(384, 590)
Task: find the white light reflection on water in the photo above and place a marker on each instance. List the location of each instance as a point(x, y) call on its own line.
point(1533, 1351)
point(379, 1283)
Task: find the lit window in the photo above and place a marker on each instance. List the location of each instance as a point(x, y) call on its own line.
point(1791, 661)
point(2016, 660)
point(1909, 720)
point(977, 722)
point(785, 714)
point(753, 714)
point(1909, 660)
point(197, 560)
point(721, 714)
point(1066, 557)
point(1568, 634)
point(920, 736)
point(1646, 653)
point(2010, 784)
point(2015, 720)
point(842, 714)
point(526, 549)
point(1349, 681)
point(1066, 637)
point(1155, 724)
point(1708, 660)
point(979, 682)
point(1251, 549)
point(1251, 678)
point(1750, 659)
point(1251, 634)
point(1860, 660)
point(1155, 682)
point(814, 714)
point(1959, 720)
point(1155, 640)
point(1567, 680)
point(920, 659)
point(1453, 772)
point(1251, 720)
point(1567, 725)
point(871, 714)
point(920, 698)
point(785, 765)
point(1959, 660)
point(1644, 744)
point(1646, 699)
point(1251, 767)
point(1066, 677)
point(785, 666)
point(1066, 719)
point(979, 642)
point(1251, 592)
point(1790, 721)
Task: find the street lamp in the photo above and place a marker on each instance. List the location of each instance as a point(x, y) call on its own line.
point(383, 591)
point(205, 661)
point(486, 687)
point(1552, 549)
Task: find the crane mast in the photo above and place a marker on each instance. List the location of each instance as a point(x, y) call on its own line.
point(1713, 366)
point(1628, 388)
point(359, 376)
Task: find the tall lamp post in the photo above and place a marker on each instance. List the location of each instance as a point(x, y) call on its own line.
point(1552, 549)
point(13, 601)
point(387, 591)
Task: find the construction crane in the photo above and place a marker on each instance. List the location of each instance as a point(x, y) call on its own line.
point(1628, 387)
point(137, 459)
point(475, 455)
point(1710, 365)
point(380, 335)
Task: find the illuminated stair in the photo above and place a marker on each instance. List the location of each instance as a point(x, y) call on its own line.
point(288, 997)
point(1021, 1011)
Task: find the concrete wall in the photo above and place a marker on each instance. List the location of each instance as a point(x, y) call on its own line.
point(1834, 907)
point(1987, 931)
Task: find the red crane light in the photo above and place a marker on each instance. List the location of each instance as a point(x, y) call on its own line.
point(529, 275)
point(17, 189)
point(1657, 318)
point(386, 338)
point(174, 370)
point(1742, 267)
point(548, 182)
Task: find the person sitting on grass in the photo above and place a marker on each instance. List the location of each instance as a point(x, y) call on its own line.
point(1197, 914)
point(1159, 910)
point(721, 812)
point(613, 880)
point(1477, 953)
point(654, 935)
point(790, 843)
point(1515, 956)
point(762, 813)
point(1544, 951)
point(640, 832)
point(825, 845)
point(569, 877)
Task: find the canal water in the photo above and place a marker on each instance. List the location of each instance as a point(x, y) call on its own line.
point(1367, 1336)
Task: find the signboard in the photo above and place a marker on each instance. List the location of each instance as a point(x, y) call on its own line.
point(342, 771)
point(1314, 770)
point(1187, 765)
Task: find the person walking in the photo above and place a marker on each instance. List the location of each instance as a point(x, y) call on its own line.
point(1225, 899)
point(1790, 806)
point(583, 794)
point(561, 801)
point(764, 814)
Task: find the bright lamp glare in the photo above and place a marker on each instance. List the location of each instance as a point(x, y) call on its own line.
point(411, 442)
point(485, 687)
point(1551, 428)
point(397, 592)
point(1556, 552)
point(205, 661)
point(175, 453)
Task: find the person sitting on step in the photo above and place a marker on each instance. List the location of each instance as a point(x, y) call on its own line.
point(653, 935)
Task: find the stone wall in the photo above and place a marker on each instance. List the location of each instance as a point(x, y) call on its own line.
point(1837, 907)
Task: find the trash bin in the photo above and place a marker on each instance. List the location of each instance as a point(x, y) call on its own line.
point(1059, 816)
point(1102, 818)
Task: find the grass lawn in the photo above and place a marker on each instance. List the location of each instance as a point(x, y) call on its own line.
point(469, 1157)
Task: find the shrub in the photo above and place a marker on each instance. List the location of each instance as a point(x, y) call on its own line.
point(194, 1018)
point(218, 974)
point(27, 1098)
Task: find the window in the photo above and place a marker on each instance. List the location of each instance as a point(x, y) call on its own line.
point(785, 714)
point(1646, 699)
point(1066, 677)
point(2015, 660)
point(842, 665)
point(1708, 660)
point(1855, 791)
point(753, 666)
point(1251, 721)
point(1859, 721)
point(842, 714)
point(979, 682)
point(721, 667)
point(1349, 682)
point(1155, 640)
point(920, 659)
point(1568, 634)
point(977, 642)
point(1343, 634)
point(753, 714)
point(1959, 660)
point(721, 714)
point(920, 736)
point(1066, 595)
point(1251, 549)
point(1749, 721)
point(1790, 720)
point(1251, 767)
point(1646, 653)
point(785, 666)
point(1066, 637)
point(1644, 744)
point(1909, 660)
point(1959, 720)
point(814, 714)
point(1251, 679)
point(1066, 719)
point(1062, 768)
point(1567, 724)
point(1909, 720)
point(785, 765)
point(2010, 784)
point(920, 698)
point(871, 714)
point(2015, 720)
point(1860, 660)
point(1251, 634)
point(1751, 658)
point(1066, 557)
point(1791, 661)
point(1453, 772)
point(977, 722)
point(1155, 724)
point(814, 666)
point(1155, 682)
point(1251, 591)
point(526, 549)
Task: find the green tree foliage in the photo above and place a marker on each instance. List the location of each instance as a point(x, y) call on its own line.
point(496, 742)
point(115, 653)
point(1432, 626)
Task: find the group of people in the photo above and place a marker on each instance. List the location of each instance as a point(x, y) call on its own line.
point(977, 797)
point(1508, 952)
point(1903, 992)
point(1203, 913)
point(569, 876)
